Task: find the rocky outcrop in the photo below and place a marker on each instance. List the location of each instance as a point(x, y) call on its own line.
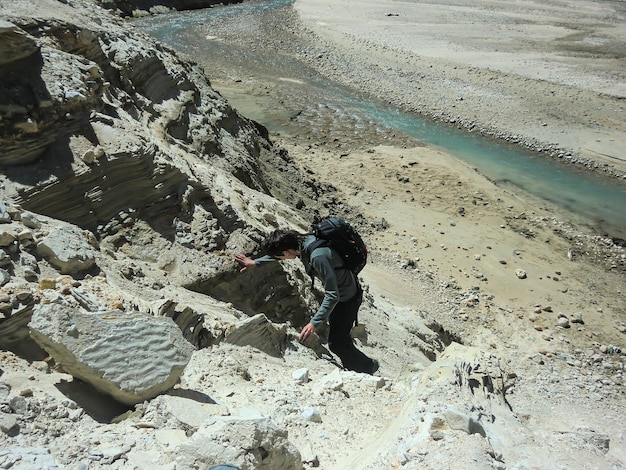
point(47, 95)
point(131, 356)
point(128, 141)
point(104, 119)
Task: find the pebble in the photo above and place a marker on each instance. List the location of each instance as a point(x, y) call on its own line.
point(562, 322)
point(312, 414)
point(301, 375)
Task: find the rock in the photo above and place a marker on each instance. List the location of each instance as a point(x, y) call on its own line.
point(577, 318)
point(131, 357)
point(5, 389)
point(259, 333)
point(8, 423)
point(7, 237)
point(5, 276)
point(30, 220)
point(67, 249)
point(5, 216)
point(15, 43)
point(301, 375)
point(19, 405)
point(28, 458)
point(312, 414)
point(374, 382)
point(190, 412)
point(462, 422)
point(330, 382)
point(562, 322)
point(5, 259)
point(520, 273)
point(248, 443)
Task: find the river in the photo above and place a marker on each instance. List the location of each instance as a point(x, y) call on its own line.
point(239, 43)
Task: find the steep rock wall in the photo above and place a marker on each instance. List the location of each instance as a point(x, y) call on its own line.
point(106, 129)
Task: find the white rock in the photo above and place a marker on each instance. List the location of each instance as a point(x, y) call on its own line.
point(312, 414)
point(301, 375)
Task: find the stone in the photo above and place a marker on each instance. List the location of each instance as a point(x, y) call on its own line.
point(520, 273)
point(462, 422)
point(259, 333)
point(312, 414)
point(5, 216)
point(132, 357)
point(29, 458)
point(67, 250)
point(30, 220)
point(577, 317)
point(301, 375)
point(5, 276)
point(15, 43)
point(562, 322)
point(188, 411)
point(330, 382)
point(5, 259)
point(8, 423)
point(18, 404)
point(7, 237)
point(247, 443)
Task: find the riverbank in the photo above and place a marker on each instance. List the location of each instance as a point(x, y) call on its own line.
point(430, 214)
point(548, 76)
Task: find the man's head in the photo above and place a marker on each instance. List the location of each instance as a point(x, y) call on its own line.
point(283, 244)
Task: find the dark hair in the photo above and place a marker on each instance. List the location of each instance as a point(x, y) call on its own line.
point(282, 240)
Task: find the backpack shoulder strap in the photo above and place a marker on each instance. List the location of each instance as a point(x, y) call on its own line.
point(306, 256)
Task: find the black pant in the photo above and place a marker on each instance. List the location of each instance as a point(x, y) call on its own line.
point(340, 342)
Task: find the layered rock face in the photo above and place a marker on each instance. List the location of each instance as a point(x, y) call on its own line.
point(127, 186)
point(110, 131)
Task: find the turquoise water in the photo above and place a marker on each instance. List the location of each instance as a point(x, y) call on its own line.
point(599, 200)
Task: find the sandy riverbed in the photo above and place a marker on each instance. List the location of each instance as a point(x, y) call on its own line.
point(552, 72)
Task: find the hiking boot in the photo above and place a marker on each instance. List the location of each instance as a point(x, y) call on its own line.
point(375, 366)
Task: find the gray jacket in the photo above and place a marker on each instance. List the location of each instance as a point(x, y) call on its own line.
point(339, 283)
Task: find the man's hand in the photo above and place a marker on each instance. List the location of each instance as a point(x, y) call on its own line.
point(306, 332)
point(244, 261)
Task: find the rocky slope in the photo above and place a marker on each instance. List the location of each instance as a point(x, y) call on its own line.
point(128, 185)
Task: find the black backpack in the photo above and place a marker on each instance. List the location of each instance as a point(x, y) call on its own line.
point(339, 235)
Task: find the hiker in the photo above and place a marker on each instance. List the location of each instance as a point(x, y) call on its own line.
point(342, 292)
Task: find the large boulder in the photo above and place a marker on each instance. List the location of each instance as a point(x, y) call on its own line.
point(131, 357)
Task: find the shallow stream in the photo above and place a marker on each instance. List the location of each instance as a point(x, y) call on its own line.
point(229, 42)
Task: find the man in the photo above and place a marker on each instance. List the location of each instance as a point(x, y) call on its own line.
point(342, 293)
